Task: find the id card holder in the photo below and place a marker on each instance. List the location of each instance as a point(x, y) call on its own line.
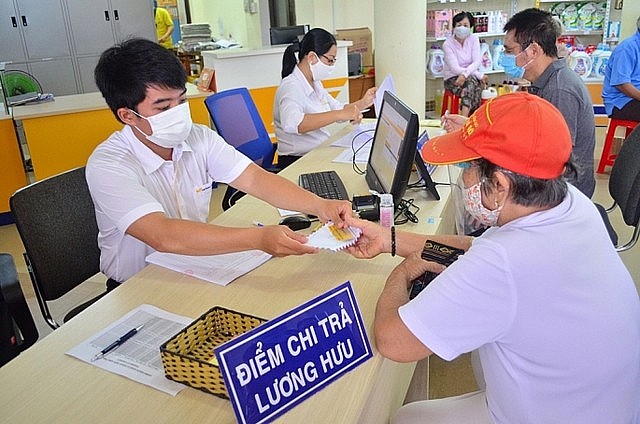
point(435, 252)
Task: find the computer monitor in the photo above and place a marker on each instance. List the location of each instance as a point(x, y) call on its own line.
point(288, 34)
point(425, 170)
point(393, 150)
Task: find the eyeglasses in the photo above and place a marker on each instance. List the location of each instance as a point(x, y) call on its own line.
point(330, 60)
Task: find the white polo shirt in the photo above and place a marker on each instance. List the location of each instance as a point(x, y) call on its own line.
point(554, 313)
point(295, 98)
point(128, 181)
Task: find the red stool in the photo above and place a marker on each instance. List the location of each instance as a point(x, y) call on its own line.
point(450, 102)
point(607, 159)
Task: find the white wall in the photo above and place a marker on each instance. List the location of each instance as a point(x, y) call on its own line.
point(228, 18)
point(245, 28)
point(630, 14)
point(400, 48)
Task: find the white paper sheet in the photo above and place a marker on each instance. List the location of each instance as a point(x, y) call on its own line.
point(139, 357)
point(347, 155)
point(387, 85)
point(359, 135)
point(219, 269)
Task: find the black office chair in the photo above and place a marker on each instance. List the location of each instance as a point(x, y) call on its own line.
point(56, 220)
point(624, 187)
point(236, 118)
point(17, 329)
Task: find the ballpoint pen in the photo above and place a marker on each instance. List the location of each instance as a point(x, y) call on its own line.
point(117, 343)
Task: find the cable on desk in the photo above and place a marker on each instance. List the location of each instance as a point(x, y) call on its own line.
point(355, 151)
point(406, 211)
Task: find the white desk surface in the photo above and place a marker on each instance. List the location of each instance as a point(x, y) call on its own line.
point(75, 103)
point(45, 385)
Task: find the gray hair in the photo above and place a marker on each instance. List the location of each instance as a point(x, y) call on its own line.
point(525, 190)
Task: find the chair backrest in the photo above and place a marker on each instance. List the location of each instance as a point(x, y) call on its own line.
point(624, 182)
point(56, 220)
point(17, 329)
point(237, 120)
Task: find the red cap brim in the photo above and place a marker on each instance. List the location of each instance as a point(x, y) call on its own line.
point(447, 149)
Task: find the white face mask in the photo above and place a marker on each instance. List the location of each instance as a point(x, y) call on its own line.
point(320, 70)
point(462, 32)
point(473, 204)
point(169, 128)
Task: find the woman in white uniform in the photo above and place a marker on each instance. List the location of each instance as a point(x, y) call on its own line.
point(303, 107)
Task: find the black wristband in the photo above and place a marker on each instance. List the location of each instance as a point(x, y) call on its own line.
point(393, 241)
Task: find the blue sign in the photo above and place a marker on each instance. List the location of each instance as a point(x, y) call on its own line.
point(270, 369)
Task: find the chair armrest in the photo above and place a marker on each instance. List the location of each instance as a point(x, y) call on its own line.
point(14, 298)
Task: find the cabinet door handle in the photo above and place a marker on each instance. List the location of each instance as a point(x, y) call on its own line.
point(115, 15)
point(24, 20)
point(106, 16)
point(14, 22)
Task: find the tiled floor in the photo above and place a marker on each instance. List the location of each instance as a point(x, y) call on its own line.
point(446, 378)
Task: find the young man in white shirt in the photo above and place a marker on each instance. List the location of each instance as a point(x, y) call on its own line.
point(151, 182)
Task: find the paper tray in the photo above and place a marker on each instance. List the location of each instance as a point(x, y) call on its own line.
point(188, 357)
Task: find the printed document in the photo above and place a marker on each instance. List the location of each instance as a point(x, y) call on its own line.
point(139, 357)
point(220, 269)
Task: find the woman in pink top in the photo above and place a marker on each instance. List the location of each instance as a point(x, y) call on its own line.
point(461, 63)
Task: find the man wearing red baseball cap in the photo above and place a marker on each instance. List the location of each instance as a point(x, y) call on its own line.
point(542, 295)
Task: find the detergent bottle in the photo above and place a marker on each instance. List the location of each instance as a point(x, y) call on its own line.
point(603, 59)
point(486, 62)
point(435, 61)
point(580, 62)
point(498, 51)
point(595, 60)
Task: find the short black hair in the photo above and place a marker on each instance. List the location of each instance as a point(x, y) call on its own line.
point(126, 70)
point(460, 16)
point(535, 25)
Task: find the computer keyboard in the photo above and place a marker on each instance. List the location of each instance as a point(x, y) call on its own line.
point(326, 184)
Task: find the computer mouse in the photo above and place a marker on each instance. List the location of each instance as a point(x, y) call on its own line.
point(296, 222)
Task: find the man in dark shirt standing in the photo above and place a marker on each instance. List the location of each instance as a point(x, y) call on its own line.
point(531, 53)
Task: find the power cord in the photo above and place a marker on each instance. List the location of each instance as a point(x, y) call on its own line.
point(355, 151)
point(406, 211)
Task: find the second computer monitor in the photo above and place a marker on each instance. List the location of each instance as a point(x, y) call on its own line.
point(288, 34)
point(394, 148)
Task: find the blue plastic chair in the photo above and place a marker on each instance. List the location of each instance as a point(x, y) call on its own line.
point(236, 119)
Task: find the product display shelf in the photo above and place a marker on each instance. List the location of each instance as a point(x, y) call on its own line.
point(590, 35)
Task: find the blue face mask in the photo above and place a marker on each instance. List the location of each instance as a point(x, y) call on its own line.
point(508, 63)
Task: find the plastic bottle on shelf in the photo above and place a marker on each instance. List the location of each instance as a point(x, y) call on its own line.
point(435, 61)
point(595, 60)
point(498, 51)
point(486, 62)
point(386, 210)
point(603, 59)
point(580, 62)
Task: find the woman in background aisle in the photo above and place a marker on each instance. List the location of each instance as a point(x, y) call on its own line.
point(303, 107)
point(461, 63)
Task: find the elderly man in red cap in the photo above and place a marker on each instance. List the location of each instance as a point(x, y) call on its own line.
point(542, 295)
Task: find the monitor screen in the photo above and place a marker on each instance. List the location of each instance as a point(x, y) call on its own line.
point(288, 34)
point(393, 150)
point(425, 170)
